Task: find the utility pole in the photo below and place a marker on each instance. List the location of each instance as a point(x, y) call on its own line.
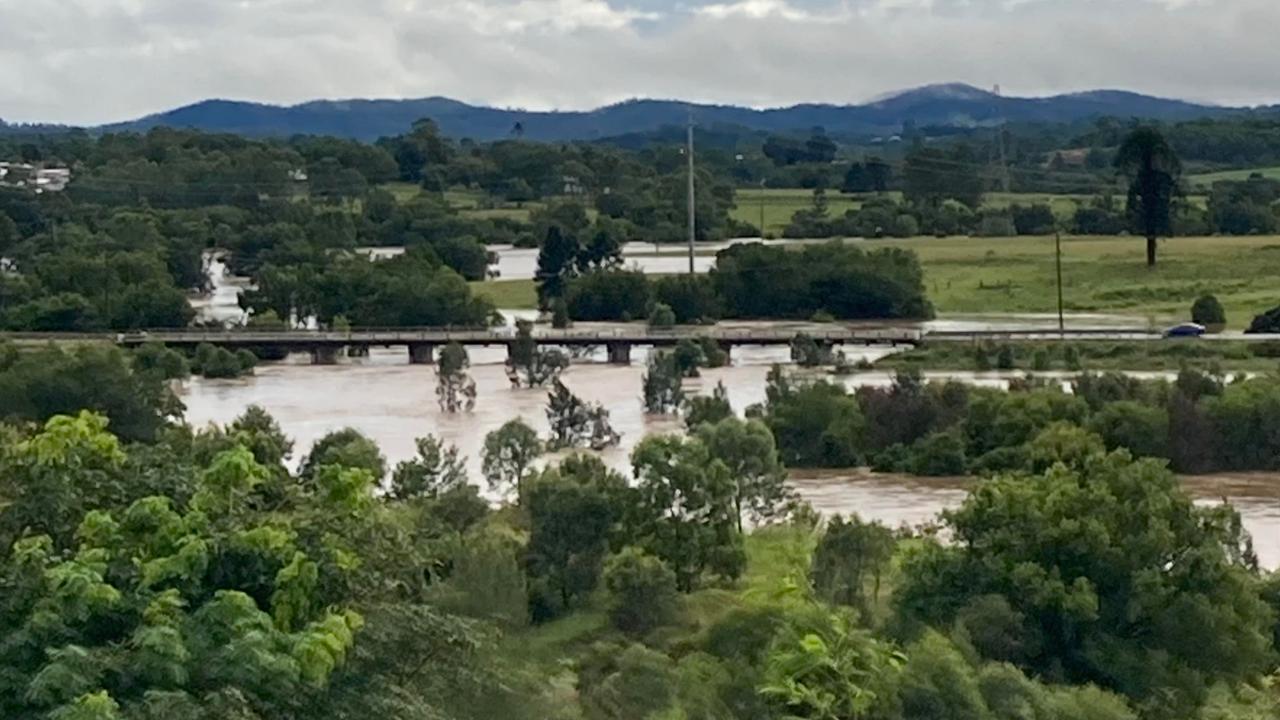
point(1004, 159)
point(692, 201)
point(1062, 322)
point(763, 183)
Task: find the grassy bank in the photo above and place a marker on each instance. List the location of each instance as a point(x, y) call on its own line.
point(508, 294)
point(1099, 356)
point(1100, 274)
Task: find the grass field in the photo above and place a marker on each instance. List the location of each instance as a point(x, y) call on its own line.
point(508, 294)
point(780, 205)
point(1108, 274)
point(1100, 274)
point(1208, 179)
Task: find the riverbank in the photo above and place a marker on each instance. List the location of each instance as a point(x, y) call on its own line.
point(1087, 356)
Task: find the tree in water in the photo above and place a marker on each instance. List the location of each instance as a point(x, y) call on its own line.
point(527, 365)
point(575, 423)
point(1152, 168)
point(689, 357)
point(455, 390)
point(663, 393)
point(708, 409)
point(808, 353)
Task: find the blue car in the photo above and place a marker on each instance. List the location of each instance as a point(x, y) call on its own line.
point(1185, 330)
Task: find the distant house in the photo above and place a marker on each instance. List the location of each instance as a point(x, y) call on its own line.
point(39, 179)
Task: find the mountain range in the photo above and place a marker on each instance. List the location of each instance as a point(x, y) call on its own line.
point(953, 105)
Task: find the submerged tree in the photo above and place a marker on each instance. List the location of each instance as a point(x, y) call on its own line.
point(807, 352)
point(663, 392)
point(529, 366)
point(575, 423)
point(1152, 168)
point(455, 390)
point(708, 409)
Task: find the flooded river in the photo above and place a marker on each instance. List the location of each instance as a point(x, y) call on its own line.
point(394, 403)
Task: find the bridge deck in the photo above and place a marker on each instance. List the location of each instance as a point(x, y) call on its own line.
point(435, 336)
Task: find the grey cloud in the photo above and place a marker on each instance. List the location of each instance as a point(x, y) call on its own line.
point(90, 61)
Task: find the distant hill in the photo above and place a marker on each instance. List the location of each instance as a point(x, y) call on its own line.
point(934, 105)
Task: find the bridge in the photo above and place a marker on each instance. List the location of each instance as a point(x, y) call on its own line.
point(325, 346)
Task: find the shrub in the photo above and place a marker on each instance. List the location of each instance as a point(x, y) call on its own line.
point(1208, 311)
point(939, 455)
point(642, 592)
point(661, 316)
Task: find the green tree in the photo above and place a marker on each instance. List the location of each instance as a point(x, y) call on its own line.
point(1152, 169)
point(556, 265)
point(1142, 429)
point(708, 409)
point(434, 471)
point(346, 448)
point(685, 509)
point(529, 366)
point(816, 424)
point(662, 384)
point(455, 390)
point(661, 316)
point(849, 554)
point(508, 456)
point(575, 423)
point(937, 682)
point(1083, 553)
point(748, 450)
point(568, 540)
point(642, 592)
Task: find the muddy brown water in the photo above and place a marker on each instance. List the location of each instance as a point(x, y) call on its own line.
point(394, 403)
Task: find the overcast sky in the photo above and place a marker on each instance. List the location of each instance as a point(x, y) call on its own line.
point(93, 61)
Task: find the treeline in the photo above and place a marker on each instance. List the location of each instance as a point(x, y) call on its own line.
point(1245, 207)
point(753, 280)
point(1199, 423)
point(80, 269)
point(199, 576)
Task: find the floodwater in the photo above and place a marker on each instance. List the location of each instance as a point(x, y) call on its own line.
point(905, 500)
point(394, 403)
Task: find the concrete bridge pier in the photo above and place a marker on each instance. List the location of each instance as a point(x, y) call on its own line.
point(325, 354)
point(727, 349)
point(422, 354)
point(619, 353)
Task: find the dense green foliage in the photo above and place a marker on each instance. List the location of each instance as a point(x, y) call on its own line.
point(1199, 423)
point(196, 576)
point(754, 280)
